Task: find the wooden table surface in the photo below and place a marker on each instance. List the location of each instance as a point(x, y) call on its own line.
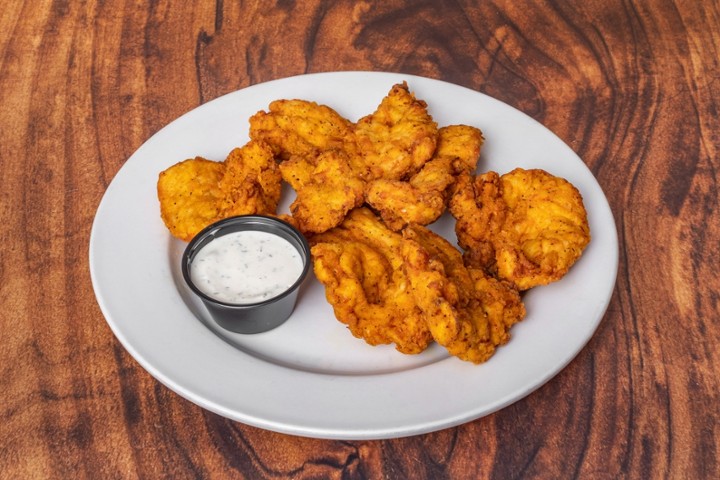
point(632, 86)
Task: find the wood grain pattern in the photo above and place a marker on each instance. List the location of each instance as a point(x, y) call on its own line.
point(632, 86)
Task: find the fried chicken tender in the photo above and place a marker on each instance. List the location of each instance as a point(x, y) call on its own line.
point(397, 139)
point(251, 183)
point(190, 196)
point(467, 312)
point(360, 263)
point(297, 171)
point(300, 128)
point(197, 192)
point(479, 217)
point(462, 143)
point(423, 198)
point(501, 302)
point(420, 200)
point(527, 226)
point(327, 189)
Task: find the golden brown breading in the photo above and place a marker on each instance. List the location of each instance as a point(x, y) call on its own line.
point(361, 266)
point(300, 127)
point(467, 313)
point(549, 228)
point(189, 196)
point(397, 139)
point(297, 170)
point(197, 192)
point(462, 143)
point(527, 226)
point(420, 200)
point(501, 302)
point(251, 183)
point(479, 217)
point(326, 193)
point(423, 198)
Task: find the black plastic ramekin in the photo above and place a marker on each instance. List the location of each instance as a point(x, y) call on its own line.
point(249, 317)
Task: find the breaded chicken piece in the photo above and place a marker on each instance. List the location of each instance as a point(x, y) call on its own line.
point(326, 193)
point(252, 182)
point(298, 169)
point(397, 139)
point(462, 143)
point(423, 198)
point(527, 226)
point(549, 228)
point(501, 302)
point(361, 266)
point(467, 313)
point(197, 192)
point(301, 127)
point(312, 142)
point(190, 196)
point(420, 200)
point(479, 216)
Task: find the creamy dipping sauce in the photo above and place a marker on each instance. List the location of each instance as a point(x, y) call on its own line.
point(246, 267)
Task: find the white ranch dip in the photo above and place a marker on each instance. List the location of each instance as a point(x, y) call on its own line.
point(246, 267)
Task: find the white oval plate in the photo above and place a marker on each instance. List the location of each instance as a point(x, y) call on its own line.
point(311, 377)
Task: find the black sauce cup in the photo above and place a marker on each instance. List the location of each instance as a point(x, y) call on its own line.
point(249, 317)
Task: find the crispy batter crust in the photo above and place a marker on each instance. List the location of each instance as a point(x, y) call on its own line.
point(189, 196)
point(326, 193)
point(251, 183)
point(398, 138)
point(300, 127)
point(527, 226)
point(197, 192)
point(423, 198)
point(467, 312)
point(361, 266)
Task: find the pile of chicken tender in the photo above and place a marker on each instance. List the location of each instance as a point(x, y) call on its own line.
point(366, 192)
